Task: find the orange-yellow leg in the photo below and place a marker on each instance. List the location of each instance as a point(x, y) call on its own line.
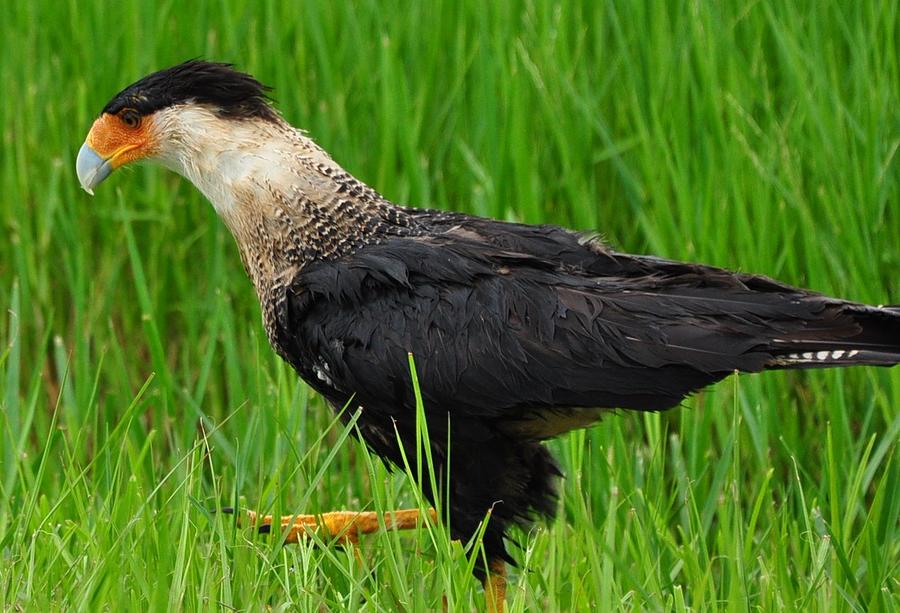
point(342, 526)
point(495, 587)
point(347, 526)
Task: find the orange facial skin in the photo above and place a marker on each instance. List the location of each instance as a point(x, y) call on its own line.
point(117, 142)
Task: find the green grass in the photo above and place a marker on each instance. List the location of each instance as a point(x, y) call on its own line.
point(138, 390)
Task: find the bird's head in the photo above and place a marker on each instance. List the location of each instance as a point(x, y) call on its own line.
point(270, 183)
point(169, 116)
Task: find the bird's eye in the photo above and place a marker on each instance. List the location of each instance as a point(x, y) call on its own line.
point(130, 118)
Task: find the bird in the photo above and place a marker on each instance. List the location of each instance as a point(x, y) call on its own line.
point(518, 333)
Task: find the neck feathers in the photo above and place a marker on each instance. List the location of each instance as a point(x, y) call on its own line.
point(286, 202)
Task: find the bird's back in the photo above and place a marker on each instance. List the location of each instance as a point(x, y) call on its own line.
point(507, 320)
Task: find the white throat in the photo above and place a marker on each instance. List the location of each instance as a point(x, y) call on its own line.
point(233, 161)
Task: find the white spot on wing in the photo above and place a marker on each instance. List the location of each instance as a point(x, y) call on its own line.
point(322, 372)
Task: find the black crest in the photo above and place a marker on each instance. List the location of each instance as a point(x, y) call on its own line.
point(235, 93)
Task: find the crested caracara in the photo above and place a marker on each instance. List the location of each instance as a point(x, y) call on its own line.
point(519, 332)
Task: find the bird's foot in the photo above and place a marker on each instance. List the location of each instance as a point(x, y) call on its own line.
point(343, 527)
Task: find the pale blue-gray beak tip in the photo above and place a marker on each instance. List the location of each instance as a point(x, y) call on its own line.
point(91, 168)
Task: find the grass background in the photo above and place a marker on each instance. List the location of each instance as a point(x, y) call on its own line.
point(137, 389)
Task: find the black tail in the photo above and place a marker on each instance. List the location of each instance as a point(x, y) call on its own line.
point(853, 335)
point(795, 327)
point(684, 326)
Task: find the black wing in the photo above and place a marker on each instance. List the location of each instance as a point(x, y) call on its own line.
point(507, 321)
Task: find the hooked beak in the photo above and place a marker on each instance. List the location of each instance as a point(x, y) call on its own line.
point(110, 144)
point(91, 168)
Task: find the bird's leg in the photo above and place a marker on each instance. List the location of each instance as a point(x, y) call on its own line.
point(495, 586)
point(347, 526)
point(342, 526)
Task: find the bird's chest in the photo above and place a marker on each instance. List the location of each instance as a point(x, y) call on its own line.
point(374, 426)
point(301, 352)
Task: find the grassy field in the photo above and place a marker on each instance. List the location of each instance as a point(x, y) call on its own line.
point(137, 389)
